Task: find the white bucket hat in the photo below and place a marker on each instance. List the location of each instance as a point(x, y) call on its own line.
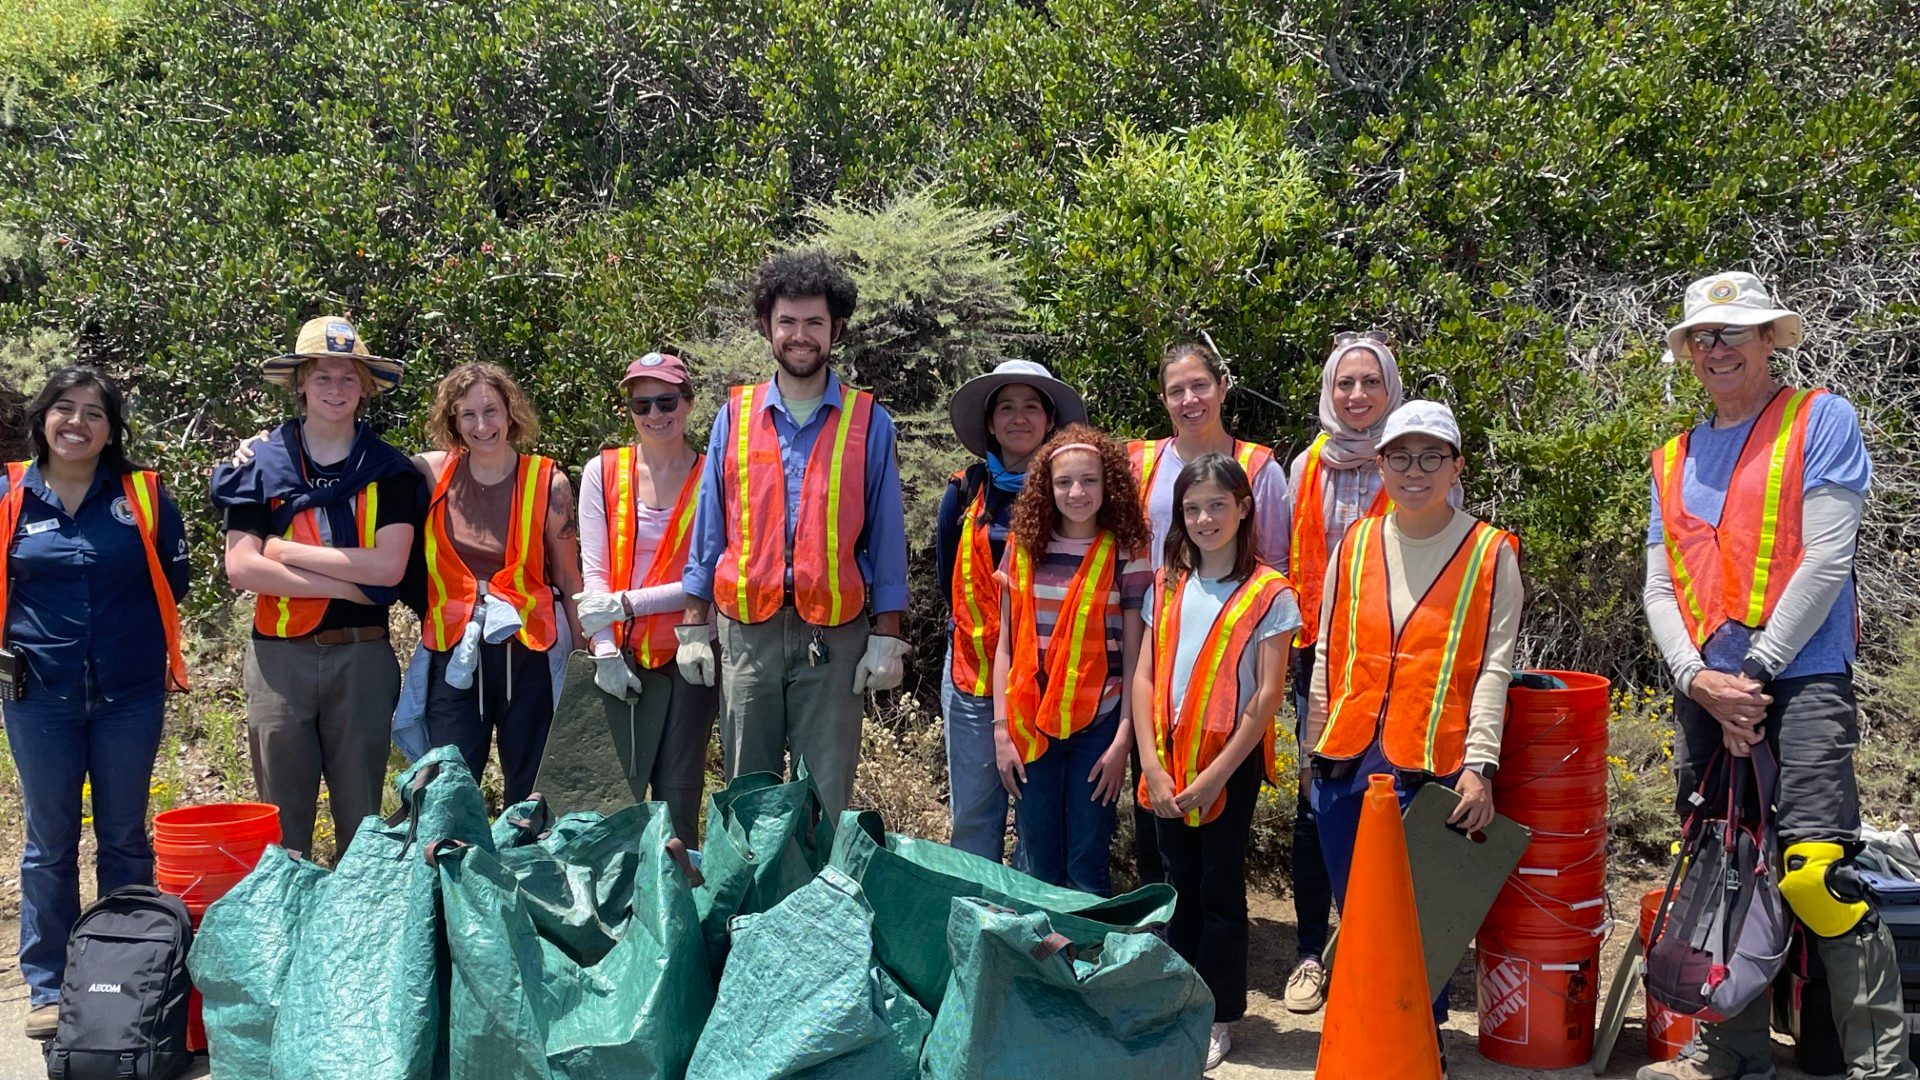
point(1733, 299)
point(968, 409)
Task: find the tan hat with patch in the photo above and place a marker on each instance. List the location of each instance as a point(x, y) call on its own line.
point(332, 335)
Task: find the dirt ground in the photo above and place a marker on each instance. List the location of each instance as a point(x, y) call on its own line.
point(1269, 1044)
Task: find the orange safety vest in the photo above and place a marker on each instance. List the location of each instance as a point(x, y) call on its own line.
point(1076, 655)
point(1411, 689)
point(650, 637)
point(293, 616)
point(1738, 569)
point(1189, 738)
point(975, 599)
point(142, 490)
point(1307, 566)
point(750, 581)
point(1145, 455)
point(452, 591)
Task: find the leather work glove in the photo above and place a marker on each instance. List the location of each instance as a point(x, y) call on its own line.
point(599, 610)
point(882, 666)
point(695, 655)
point(612, 674)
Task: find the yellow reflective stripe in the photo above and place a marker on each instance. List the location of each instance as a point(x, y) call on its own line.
point(742, 460)
point(1166, 720)
point(527, 491)
point(1683, 588)
point(1451, 654)
point(370, 510)
point(1149, 459)
point(848, 396)
point(1336, 693)
point(1770, 514)
point(1236, 610)
point(674, 539)
point(1102, 549)
point(977, 635)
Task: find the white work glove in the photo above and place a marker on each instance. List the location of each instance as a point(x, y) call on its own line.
point(611, 673)
point(599, 610)
point(695, 654)
point(499, 620)
point(882, 666)
point(466, 657)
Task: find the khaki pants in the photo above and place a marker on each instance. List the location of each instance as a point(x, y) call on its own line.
point(773, 699)
point(320, 710)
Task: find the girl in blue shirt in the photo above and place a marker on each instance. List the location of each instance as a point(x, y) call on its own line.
point(93, 567)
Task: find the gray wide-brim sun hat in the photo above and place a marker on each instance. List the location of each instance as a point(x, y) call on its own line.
point(968, 409)
point(1733, 299)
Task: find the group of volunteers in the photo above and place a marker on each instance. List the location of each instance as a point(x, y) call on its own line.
point(1124, 616)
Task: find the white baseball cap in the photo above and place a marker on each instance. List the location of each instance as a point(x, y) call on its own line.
point(1733, 299)
point(1421, 418)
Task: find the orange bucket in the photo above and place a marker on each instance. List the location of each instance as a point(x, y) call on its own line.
point(1577, 714)
point(199, 852)
point(1667, 1031)
point(1537, 998)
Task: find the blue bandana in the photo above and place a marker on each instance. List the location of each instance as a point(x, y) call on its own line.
point(1003, 478)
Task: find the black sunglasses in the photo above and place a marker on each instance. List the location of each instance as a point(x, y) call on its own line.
point(666, 403)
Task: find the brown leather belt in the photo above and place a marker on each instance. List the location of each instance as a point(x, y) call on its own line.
point(345, 635)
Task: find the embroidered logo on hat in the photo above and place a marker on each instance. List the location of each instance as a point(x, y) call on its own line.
point(652, 359)
point(339, 337)
point(1722, 291)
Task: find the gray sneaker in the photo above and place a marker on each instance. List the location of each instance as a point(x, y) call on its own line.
point(1684, 1068)
point(1307, 987)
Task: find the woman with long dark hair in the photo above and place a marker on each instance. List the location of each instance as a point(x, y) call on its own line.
point(93, 563)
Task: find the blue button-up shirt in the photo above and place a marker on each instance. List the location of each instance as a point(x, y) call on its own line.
point(79, 593)
point(881, 551)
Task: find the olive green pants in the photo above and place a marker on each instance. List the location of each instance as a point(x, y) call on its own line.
point(781, 694)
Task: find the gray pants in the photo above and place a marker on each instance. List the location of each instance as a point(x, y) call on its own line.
point(1813, 728)
point(318, 711)
point(775, 699)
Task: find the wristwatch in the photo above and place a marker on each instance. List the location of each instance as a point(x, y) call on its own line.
point(1486, 769)
point(1753, 669)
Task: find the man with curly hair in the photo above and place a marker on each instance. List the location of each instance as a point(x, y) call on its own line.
point(799, 532)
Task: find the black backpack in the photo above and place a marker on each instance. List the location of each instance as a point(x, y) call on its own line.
point(1721, 935)
point(123, 1003)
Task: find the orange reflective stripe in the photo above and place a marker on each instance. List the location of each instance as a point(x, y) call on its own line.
point(743, 458)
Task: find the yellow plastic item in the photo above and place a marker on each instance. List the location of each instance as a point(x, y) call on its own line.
point(1805, 887)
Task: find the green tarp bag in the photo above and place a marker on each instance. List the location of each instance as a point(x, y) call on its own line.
point(1022, 1005)
point(576, 957)
point(804, 999)
point(240, 957)
point(364, 988)
point(764, 839)
point(912, 883)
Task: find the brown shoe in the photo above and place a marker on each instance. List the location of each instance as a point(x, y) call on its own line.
point(43, 1021)
point(1684, 1068)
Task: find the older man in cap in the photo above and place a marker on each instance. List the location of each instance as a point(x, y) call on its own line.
point(1750, 596)
point(320, 523)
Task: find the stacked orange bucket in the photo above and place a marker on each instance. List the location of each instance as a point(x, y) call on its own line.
point(199, 852)
point(1538, 951)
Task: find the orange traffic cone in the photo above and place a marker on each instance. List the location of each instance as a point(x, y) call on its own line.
point(1379, 1015)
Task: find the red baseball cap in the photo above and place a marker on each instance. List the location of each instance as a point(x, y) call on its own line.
point(656, 365)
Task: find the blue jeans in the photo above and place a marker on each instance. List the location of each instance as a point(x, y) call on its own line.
point(1337, 802)
point(58, 746)
point(1066, 838)
point(1312, 893)
point(976, 798)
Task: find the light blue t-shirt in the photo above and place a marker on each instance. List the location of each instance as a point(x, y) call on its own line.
point(1835, 455)
point(1200, 604)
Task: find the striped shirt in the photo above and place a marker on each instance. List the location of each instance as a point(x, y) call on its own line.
point(1052, 575)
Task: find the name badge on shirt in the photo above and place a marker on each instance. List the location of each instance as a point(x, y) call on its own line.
point(39, 527)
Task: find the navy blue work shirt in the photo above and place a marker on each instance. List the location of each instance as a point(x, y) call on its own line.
point(79, 592)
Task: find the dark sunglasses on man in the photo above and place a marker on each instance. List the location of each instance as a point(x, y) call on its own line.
point(666, 403)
